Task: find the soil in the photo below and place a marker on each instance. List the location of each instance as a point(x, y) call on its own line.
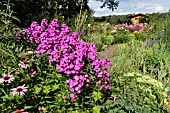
point(107, 53)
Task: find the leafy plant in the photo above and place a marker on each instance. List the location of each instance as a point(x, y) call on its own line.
point(137, 93)
point(55, 74)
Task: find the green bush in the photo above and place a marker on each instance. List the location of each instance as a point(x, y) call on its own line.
point(167, 30)
point(150, 63)
point(122, 35)
point(28, 82)
point(136, 93)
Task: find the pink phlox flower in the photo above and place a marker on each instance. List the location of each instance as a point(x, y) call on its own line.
point(64, 97)
point(73, 96)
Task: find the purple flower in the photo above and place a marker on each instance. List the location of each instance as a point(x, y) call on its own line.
point(73, 96)
point(138, 27)
point(69, 54)
point(79, 91)
point(131, 27)
point(64, 97)
point(76, 78)
point(20, 90)
point(6, 78)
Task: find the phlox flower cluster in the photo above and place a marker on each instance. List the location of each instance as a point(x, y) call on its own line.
point(68, 53)
point(100, 69)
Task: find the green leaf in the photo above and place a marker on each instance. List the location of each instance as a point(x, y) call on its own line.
point(97, 95)
point(46, 89)
point(55, 87)
point(96, 109)
point(37, 90)
point(28, 107)
point(4, 91)
point(39, 70)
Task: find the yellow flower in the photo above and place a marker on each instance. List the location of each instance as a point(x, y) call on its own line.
point(166, 101)
point(136, 32)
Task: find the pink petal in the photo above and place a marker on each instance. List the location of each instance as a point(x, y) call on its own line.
point(1, 80)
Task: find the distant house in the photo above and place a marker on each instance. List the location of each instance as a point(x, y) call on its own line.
point(135, 18)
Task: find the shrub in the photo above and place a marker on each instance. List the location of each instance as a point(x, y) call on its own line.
point(60, 75)
point(136, 93)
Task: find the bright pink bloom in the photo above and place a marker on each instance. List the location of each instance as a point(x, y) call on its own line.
point(73, 96)
point(64, 97)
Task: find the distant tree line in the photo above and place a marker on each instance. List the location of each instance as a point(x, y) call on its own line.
point(120, 19)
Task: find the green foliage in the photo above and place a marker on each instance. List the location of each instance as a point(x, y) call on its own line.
point(6, 24)
point(136, 93)
point(151, 62)
point(167, 30)
point(8, 39)
point(108, 40)
point(80, 20)
point(123, 37)
point(139, 56)
point(46, 86)
point(99, 38)
point(143, 36)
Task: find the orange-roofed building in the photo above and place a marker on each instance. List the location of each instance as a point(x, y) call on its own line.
point(135, 18)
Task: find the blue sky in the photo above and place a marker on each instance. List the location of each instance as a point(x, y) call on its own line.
point(131, 7)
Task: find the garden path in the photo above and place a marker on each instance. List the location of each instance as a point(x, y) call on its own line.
point(107, 53)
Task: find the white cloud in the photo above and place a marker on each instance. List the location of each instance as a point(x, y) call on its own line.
point(131, 7)
point(122, 13)
point(147, 6)
point(159, 8)
point(100, 9)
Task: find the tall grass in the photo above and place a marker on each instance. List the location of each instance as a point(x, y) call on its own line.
point(167, 30)
point(136, 56)
point(80, 20)
point(8, 38)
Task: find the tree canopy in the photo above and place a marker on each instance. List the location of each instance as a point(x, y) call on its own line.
point(34, 10)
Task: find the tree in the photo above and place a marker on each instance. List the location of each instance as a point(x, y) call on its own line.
point(34, 10)
point(112, 4)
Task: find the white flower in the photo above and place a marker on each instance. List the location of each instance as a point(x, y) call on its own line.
point(42, 109)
